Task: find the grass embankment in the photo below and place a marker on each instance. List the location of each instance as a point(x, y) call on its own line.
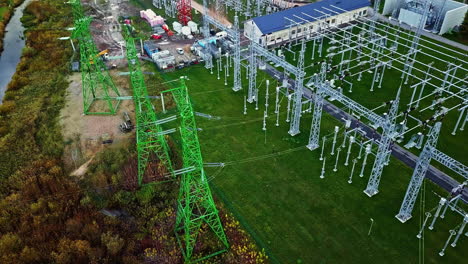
point(7, 9)
point(275, 190)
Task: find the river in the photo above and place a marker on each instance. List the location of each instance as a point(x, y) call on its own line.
point(13, 44)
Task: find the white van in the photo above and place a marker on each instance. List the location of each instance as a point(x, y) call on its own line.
point(221, 35)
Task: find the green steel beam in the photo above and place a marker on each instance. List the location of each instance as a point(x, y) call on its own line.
point(97, 85)
point(195, 203)
point(147, 138)
point(77, 9)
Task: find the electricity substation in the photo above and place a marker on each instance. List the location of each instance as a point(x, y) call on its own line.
point(396, 92)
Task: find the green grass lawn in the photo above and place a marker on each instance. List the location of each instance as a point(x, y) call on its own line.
point(282, 202)
point(271, 181)
point(391, 82)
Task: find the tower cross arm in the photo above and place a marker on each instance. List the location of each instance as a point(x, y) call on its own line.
point(450, 163)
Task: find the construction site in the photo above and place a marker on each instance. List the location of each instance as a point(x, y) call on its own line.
point(333, 130)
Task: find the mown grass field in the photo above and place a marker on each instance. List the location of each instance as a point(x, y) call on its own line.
point(392, 81)
point(280, 199)
point(271, 181)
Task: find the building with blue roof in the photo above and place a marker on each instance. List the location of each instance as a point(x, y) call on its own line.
point(303, 21)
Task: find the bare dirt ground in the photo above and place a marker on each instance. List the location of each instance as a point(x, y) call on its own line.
point(83, 134)
point(80, 172)
point(212, 13)
point(105, 28)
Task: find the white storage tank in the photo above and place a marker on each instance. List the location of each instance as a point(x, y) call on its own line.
point(193, 26)
point(177, 27)
point(186, 31)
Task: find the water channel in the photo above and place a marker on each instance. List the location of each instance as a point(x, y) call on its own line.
point(13, 44)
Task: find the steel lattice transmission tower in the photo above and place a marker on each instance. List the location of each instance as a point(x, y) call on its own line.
point(99, 92)
point(318, 106)
point(195, 204)
point(418, 175)
point(150, 137)
point(384, 151)
point(376, 5)
point(184, 11)
point(77, 9)
point(297, 106)
point(253, 89)
point(258, 9)
point(426, 5)
point(237, 56)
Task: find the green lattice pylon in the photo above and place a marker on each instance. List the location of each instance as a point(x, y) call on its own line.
point(77, 9)
point(149, 134)
point(99, 92)
point(195, 203)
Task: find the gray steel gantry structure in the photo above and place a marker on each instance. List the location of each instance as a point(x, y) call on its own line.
point(234, 34)
point(430, 152)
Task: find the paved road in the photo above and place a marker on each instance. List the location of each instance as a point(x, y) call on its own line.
point(408, 158)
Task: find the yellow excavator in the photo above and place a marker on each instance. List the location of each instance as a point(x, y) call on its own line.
point(102, 53)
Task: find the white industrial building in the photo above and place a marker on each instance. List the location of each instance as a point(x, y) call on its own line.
point(444, 15)
point(303, 21)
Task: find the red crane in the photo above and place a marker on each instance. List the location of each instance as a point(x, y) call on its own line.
point(184, 11)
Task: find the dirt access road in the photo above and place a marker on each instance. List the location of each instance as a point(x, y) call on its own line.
point(83, 134)
point(211, 13)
